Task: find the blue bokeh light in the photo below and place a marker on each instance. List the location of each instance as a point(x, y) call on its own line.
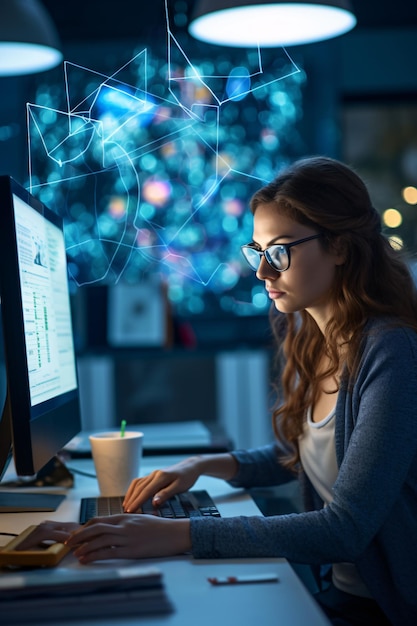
point(155, 176)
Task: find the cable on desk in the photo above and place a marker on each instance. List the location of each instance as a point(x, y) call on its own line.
point(81, 472)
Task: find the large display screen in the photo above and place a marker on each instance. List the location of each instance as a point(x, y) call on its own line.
point(46, 305)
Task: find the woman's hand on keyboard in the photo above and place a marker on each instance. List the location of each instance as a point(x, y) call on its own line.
point(130, 537)
point(162, 484)
point(165, 483)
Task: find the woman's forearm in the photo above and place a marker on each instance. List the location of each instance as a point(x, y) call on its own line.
point(222, 465)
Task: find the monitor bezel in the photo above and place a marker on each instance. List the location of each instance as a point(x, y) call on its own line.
point(38, 432)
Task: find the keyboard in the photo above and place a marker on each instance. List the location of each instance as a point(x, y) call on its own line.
point(195, 503)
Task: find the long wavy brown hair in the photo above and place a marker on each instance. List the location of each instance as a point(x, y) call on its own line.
point(374, 281)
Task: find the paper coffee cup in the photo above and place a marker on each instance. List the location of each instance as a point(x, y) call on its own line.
point(116, 460)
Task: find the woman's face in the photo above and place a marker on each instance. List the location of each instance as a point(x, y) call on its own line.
point(306, 284)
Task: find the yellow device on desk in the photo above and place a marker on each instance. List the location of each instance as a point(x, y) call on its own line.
point(46, 555)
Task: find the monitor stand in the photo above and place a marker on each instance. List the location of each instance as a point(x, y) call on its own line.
point(53, 474)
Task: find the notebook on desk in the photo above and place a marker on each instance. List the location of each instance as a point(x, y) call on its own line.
point(77, 594)
point(159, 438)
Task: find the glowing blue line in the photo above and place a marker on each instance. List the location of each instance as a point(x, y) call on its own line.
point(125, 158)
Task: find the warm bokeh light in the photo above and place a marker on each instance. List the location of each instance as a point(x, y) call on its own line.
point(392, 218)
point(396, 242)
point(410, 195)
point(156, 192)
point(117, 207)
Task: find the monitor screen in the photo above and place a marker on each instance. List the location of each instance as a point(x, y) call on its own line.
point(41, 409)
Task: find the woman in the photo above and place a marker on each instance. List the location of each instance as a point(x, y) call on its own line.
point(346, 424)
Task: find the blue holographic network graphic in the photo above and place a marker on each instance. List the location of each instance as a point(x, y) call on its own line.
point(152, 166)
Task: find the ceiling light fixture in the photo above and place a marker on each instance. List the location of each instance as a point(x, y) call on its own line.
point(270, 23)
point(28, 40)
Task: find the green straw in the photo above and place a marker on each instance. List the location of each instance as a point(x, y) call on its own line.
point(122, 428)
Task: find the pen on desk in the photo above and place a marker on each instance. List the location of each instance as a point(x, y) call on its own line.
point(244, 579)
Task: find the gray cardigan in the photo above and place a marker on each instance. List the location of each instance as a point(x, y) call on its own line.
point(372, 520)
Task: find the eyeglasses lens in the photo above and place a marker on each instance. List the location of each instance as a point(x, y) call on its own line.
point(276, 256)
point(252, 256)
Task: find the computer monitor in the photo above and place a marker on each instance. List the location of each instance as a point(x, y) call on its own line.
point(41, 409)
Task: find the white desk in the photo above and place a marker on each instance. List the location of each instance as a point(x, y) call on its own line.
point(196, 601)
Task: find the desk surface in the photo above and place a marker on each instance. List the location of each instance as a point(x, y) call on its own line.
point(196, 601)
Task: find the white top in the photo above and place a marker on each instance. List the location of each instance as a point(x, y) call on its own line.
point(318, 458)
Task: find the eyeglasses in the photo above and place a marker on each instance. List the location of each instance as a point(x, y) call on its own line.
point(277, 256)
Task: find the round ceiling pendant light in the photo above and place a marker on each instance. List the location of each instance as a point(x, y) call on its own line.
point(270, 23)
point(28, 40)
